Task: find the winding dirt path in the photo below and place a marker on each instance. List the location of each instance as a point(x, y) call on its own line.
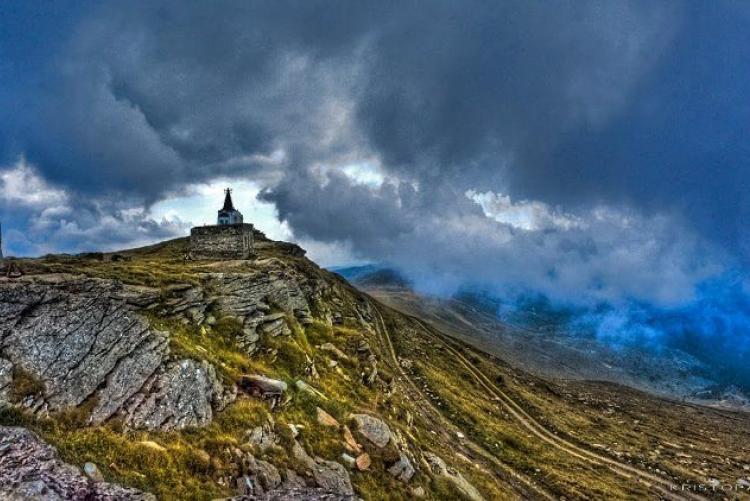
point(665, 488)
point(523, 485)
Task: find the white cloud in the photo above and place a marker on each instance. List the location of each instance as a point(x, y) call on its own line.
point(525, 215)
point(21, 185)
point(197, 204)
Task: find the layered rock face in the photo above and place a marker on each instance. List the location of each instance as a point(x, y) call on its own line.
point(89, 340)
point(85, 339)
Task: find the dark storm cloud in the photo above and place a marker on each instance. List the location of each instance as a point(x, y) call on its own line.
point(569, 104)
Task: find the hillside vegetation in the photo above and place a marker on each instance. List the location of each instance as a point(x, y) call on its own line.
point(204, 380)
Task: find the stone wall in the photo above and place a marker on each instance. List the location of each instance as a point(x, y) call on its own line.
point(232, 241)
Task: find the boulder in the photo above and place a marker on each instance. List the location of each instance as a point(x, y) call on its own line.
point(261, 437)
point(439, 468)
point(402, 469)
point(262, 386)
point(332, 476)
point(266, 474)
point(363, 462)
point(30, 469)
point(92, 471)
point(292, 480)
point(328, 475)
point(373, 429)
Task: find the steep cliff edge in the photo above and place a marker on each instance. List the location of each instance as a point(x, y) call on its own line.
point(272, 378)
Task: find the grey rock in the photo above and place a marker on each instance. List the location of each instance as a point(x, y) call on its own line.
point(122, 380)
point(92, 471)
point(180, 395)
point(246, 293)
point(258, 476)
point(332, 476)
point(80, 337)
point(30, 469)
point(440, 468)
point(6, 378)
point(262, 386)
point(297, 494)
point(276, 327)
point(261, 437)
point(266, 473)
point(329, 475)
point(373, 429)
point(402, 469)
point(292, 480)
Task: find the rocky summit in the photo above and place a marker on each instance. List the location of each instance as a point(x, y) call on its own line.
point(153, 374)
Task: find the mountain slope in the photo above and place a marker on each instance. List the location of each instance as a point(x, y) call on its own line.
point(201, 379)
point(546, 343)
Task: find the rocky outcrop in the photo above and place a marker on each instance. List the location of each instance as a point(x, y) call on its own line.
point(30, 469)
point(84, 338)
point(80, 339)
point(181, 394)
point(260, 476)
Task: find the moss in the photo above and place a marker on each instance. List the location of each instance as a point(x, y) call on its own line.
point(24, 385)
point(13, 416)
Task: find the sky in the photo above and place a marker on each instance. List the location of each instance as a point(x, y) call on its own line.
point(592, 152)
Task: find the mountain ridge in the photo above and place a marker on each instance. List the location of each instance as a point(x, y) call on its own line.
point(255, 377)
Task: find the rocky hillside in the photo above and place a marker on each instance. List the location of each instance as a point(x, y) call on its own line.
point(140, 375)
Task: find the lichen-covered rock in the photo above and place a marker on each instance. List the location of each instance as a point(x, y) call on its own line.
point(440, 468)
point(297, 494)
point(181, 394)
point(30, 469)
point(373, 429)
point(86, 338)
point(6, 378)
point(402, 469)
point(262, 386)
point(247, 294)
point(80, 338)
point(328, 475)
point(258, 476)
point(262, 437)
